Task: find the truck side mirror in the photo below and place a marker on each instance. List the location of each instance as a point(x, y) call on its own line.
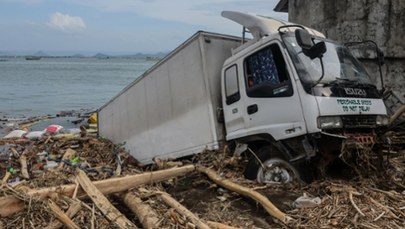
point(310, 49)
point(317, 50)
point(303, 38)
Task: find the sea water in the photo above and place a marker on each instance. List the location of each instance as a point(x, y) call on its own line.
point(51, 85)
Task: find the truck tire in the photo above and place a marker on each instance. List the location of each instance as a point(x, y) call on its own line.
point(274, 168)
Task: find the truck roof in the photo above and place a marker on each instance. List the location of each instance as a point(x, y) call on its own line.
point(262, 26)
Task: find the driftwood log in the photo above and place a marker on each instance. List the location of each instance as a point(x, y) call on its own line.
point(11, 204)
point(146, 215)
point(102, 203)
point(247, 192)
point(183, 210)
point(216, 225)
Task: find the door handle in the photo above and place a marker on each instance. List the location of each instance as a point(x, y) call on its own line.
point(252, 109)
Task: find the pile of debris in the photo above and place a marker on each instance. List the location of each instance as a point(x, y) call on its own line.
point(78, 181)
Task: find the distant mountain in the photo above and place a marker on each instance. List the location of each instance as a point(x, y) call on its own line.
point(101, 56)
point(84, 54)
point(159, 55)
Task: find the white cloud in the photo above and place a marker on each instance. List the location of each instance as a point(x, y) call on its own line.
point(206, 13)
point(65, 22)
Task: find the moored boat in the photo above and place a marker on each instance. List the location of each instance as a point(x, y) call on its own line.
point(33, 58)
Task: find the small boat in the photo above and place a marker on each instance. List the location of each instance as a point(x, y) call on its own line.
point(33, 58)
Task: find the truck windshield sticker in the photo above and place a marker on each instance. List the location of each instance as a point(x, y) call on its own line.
point(355, 105)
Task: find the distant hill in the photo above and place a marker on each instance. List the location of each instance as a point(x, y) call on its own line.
point(149, 56)
point(159, 55)
point(101, 56)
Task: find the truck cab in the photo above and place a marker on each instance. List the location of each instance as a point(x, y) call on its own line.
point(293, 96)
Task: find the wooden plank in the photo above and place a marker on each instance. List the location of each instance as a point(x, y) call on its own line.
point(102, 203)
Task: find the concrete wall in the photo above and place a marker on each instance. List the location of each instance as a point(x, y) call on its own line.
point(382, 21)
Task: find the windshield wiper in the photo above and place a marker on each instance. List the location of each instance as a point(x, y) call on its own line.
point(343, 81)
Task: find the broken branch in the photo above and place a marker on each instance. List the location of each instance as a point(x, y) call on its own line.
point(247, 192)
point(354, 204)
point(24, 171)
point(62, 216)
point(72, 211)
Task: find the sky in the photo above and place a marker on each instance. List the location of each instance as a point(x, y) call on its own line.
point(116, 26)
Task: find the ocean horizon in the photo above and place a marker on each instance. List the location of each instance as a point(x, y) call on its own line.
point(52, 85)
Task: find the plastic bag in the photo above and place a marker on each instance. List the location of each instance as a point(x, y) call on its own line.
point(54, 129)
point(34, 134)
point(15, 134)
point(305, 201)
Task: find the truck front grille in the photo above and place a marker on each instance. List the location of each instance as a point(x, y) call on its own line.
point(356, 121)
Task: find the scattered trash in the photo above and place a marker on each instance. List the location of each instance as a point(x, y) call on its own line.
point(50, 165)
point(35, 134)
point(305, 201)
point(92, 119)
point(75, 160)
point(73, 131)
point(15, 134)
point(54, 129)
point(77, 121)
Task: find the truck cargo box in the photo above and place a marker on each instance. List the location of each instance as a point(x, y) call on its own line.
point(171, 110)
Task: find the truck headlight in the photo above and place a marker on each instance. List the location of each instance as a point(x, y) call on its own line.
point(329, 122)
point(382, 120)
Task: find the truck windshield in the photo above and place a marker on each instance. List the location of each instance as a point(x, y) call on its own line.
point(339, 64)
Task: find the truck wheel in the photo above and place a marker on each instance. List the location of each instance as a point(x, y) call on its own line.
point(272, 169)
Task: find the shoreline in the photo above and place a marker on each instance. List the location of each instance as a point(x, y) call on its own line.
point(67, 119)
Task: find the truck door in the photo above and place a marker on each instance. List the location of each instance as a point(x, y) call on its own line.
point(233, 106)
point(272, 104)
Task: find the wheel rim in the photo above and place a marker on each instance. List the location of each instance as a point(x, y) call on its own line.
point(276, 171)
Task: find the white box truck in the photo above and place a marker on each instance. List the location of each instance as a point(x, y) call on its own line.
point(287, 93)
point(171, 110)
